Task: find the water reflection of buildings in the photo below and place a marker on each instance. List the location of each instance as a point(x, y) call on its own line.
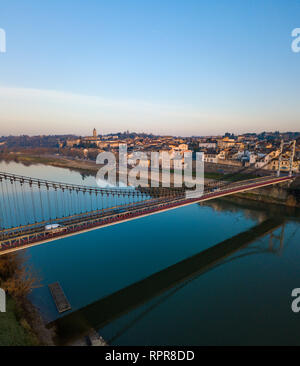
point(222, 205)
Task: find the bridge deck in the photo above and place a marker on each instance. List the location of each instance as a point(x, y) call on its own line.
point(12, 241)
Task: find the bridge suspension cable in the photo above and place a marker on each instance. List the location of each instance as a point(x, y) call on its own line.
point(27, 200)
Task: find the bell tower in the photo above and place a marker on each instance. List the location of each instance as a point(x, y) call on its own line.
point(94, 132)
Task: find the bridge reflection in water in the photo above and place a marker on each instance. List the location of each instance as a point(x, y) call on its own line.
point(111, 307)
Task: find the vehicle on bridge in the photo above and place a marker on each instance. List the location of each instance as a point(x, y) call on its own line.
point(55, 228)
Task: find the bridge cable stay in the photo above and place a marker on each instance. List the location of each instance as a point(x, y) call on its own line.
point(107, 190)
point(37, 201)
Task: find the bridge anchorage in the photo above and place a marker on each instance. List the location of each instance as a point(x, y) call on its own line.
point(35, 211)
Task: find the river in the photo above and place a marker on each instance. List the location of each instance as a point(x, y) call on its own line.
point(243, 298)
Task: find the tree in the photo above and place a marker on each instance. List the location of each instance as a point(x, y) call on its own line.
point(16, 278)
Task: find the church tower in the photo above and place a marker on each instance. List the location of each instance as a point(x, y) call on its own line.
point(94, 133)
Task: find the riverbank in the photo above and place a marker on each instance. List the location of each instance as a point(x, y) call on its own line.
point(283, 195)
point(87, 166)
point(21, 324)
point(14, 328)
point(83, 166)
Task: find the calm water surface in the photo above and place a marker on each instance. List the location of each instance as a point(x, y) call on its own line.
point(242, 300)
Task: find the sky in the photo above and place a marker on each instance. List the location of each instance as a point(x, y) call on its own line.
point(174, 67)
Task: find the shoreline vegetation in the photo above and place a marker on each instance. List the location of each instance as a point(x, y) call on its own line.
point(21, 324)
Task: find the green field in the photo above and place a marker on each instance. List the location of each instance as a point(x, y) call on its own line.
point(14, 330)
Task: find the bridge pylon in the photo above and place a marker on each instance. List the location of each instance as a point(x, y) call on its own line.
point(280, 158)
point(290, 159)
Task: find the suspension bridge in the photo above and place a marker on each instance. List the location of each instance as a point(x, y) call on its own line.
point(36, 211)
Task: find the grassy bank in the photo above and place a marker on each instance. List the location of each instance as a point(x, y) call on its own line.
point(14, 328)
point(21, 324)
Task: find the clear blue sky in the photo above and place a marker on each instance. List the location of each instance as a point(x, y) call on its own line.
point(178, 67)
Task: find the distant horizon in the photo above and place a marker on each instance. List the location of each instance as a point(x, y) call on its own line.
point(191, 67)
point(154, 134)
